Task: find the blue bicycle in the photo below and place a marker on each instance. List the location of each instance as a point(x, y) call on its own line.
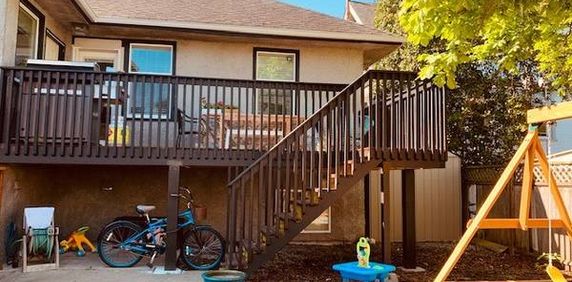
point(123, 243)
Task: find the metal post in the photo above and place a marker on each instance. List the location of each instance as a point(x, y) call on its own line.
point(408, 208)
point(172, 216)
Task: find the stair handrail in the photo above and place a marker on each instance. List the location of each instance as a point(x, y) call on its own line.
point(343, 92)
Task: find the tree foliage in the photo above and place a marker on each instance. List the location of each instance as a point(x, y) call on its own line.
point(506, 32)
point(486, 113)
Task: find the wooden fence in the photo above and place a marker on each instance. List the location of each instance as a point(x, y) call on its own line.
point(477, 184)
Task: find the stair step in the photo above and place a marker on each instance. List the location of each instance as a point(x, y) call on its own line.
point(284, 216)
point(269, 232)
point(307, 202)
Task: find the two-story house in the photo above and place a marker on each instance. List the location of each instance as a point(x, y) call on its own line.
point(263, 109)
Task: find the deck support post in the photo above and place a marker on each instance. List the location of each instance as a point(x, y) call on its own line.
point(386, 216)
point(172, 216)
point(367, 207)
point(408, 209)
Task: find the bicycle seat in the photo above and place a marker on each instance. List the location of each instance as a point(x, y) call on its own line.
point(143, 209)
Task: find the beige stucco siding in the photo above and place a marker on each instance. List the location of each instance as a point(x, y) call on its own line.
point(235, 60)
point(63, 33)
point(8, 31)
point(334, 65)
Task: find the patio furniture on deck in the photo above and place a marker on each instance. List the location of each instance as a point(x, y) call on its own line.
point(197, 127)
point(257, 131)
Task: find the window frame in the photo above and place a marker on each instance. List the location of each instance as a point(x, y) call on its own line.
point(59, 42)
point(128, 57)
point(131, 44)
point(40, 29)
point(328, 231)
point(296, 70)
point(294, 52)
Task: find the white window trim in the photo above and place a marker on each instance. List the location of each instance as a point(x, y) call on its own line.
point(277, 53)
point(99, 54)
point(37, 37)
point(144, 115)
point(322, 231)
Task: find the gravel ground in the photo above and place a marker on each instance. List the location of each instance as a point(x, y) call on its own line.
point(314, 262)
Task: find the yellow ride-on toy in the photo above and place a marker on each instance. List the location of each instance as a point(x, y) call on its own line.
point(76, 241)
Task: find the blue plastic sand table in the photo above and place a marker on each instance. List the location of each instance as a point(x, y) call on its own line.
point(351, 271)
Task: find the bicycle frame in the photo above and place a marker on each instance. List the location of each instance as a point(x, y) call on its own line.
point(132, 244)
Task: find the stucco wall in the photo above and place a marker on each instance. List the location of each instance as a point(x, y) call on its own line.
point(235, 60)
point(81, 197)
point(8, 29)
point(62, 32)
point(347, 219)
point(78, 193)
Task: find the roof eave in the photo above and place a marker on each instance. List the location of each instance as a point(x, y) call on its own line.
point(282, 32)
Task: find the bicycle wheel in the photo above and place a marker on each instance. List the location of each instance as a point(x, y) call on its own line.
point(203, 248)
point(109, 240)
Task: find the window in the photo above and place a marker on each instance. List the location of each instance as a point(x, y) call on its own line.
point(152, 98)
point(322, 224)
point(55, 48)
point(28, 40)
point(275, 66)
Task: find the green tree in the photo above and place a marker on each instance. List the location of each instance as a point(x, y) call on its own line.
point(387, 19)
point(507, 32)
point(486, 113)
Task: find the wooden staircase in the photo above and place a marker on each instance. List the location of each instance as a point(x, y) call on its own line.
point(380, 117)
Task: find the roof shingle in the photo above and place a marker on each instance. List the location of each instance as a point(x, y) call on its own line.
point(269, 14)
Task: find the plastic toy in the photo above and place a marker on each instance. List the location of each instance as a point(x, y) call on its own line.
point(363, 250)
point(363, 269)
point(76, 241)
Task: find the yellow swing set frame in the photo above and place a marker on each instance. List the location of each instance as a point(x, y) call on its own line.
point(529, 151)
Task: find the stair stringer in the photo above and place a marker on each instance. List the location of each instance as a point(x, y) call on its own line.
point(345, 183)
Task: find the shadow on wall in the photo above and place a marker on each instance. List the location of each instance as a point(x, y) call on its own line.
point(93, 196)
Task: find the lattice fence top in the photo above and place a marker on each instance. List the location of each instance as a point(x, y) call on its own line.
point(488, 175)
point(561, 172)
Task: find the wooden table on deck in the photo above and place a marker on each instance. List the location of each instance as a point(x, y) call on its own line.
point(259, 128)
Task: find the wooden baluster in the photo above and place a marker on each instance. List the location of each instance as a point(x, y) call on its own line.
point(18, 114)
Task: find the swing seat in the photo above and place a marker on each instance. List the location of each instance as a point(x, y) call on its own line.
point(555, 274)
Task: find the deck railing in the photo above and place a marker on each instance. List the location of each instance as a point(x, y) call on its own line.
point(382, 116)
point(84, 115)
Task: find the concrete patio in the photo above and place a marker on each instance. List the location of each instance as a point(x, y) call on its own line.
point(90, 268)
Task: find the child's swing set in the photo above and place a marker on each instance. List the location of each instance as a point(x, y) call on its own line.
point(529, 151)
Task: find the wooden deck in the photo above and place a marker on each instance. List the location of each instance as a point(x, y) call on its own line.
point(77, 117)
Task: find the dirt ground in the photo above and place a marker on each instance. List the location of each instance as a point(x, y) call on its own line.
point(314, 262)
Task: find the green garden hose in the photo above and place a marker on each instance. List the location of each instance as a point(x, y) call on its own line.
point(42, 242)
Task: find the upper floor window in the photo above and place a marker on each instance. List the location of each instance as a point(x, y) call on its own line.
point(276, 65)
point(30, 34)
point(55, 49)
point(151, 99)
